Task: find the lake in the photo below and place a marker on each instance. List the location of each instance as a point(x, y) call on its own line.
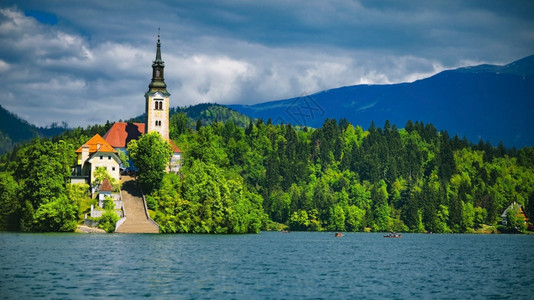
point(269, 265)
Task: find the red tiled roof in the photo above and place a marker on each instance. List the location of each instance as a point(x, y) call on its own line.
point(97, 144)
point(106, 186)
point(175, 148)
point(121, 133)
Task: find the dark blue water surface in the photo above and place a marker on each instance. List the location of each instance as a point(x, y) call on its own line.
point(269, 265)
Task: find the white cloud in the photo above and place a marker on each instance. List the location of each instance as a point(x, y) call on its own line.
point(4, 66)
point(205, 78)
point(93, 66)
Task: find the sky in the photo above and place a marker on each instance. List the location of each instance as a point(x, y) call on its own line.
point(86, 62)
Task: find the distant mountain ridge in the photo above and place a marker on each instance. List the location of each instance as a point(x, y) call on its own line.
point(488, 102)
point(207, 113)
point(14, 130)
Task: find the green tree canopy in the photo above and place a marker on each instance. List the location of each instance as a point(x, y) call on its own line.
point(151, 155)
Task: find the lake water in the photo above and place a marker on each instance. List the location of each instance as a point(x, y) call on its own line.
point(269, 265)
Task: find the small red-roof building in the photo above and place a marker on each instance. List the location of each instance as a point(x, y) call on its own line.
point(96, 152)
point(106, 191)
point(174, 164)
point(514, 205)
point(106, 187)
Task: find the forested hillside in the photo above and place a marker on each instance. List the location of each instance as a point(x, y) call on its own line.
point(340, 177)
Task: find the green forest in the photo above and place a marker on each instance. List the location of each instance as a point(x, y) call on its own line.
point(261, 176)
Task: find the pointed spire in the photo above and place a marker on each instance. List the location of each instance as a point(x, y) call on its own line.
point(158, 80)
point(158, 51)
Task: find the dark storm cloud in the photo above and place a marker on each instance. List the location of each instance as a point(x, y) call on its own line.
point(89, 61)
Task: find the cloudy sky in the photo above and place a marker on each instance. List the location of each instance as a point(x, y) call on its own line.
point(85, 62)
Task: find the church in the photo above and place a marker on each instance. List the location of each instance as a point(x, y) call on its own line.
point(103, 151)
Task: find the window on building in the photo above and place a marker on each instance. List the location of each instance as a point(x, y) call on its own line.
point(158, 104)
point(112, 168)
point(109, 157)
point(101, 157)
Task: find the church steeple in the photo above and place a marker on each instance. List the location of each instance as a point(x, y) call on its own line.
point(158, 80)
point(157, 98)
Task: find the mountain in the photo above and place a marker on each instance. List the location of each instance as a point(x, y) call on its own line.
point(15, 130)
point(488, 102)
point(207, 113)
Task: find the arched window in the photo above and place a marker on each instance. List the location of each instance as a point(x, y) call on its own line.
point(158, 104)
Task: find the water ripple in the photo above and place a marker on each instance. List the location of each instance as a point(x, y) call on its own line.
point(266, 266)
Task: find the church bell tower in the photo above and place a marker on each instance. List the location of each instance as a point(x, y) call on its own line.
point(157, 98)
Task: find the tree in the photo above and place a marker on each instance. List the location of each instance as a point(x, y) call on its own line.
point(151, 155)
point(354, 218)
point(468, 217)
point(41, 169)
point(299, 220)
point(9, 202)
point(515, 219)
point(60, 214)
point(337, 218)
point(480, 216)
point(381, 211)
point(79, 194)
point(179, 125)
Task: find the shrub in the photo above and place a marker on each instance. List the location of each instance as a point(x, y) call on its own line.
point(109, 204)
point(151, 203)
point(108, 221)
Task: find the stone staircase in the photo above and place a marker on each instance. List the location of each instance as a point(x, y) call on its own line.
point(136, 219)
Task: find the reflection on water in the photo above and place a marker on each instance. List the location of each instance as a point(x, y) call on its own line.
point(267, 265)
